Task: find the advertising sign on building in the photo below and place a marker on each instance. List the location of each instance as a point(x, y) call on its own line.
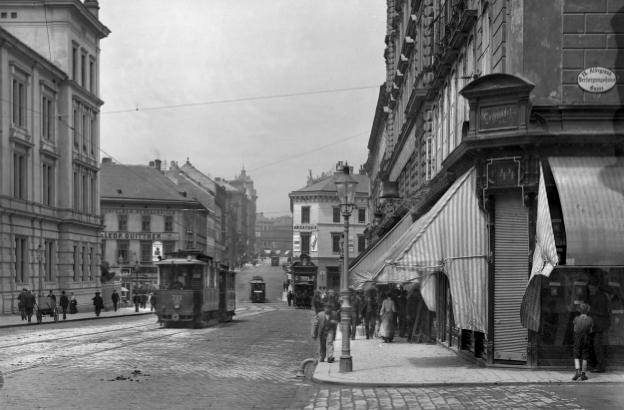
point(157, 250)
point(313, 243)
point(296, 244)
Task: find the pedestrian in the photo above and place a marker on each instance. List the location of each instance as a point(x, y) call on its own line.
point(73, 304)
point(411, 313)
point(316, 302)
point(582, 341)
point(98, 302)
point(356, 307)
point(369, 313)
point(152, 302)
point(285, 287)
point(599, 313)
point(388, 319)
point(115, 298)
point(143, 301)
point(52, 296)
point(136, 299)
point(29, 304)
point(22, 302)
point(324, 329)
point(64, 302)
point(401, 311)
point(290, 297)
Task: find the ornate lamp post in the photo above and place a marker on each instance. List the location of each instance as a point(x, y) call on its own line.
point(136, 279)
point(40, 256)
point(345, 187)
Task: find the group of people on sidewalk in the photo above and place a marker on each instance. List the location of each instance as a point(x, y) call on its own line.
point(380, 313)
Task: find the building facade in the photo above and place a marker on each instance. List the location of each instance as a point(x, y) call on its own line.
point(146, 216)
point(483, 100)
point(318, 225)
point(49, 216)
point(245, 184)
point(274, 234)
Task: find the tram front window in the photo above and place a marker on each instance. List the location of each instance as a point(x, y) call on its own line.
point(175, 277)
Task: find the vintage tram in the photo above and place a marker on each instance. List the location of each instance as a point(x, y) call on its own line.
point(257, 289)
point(194, 291)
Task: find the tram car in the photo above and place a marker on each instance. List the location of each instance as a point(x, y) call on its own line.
point(194, 291)
point(257, 289)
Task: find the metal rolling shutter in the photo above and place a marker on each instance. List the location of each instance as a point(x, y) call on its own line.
point(511, 272)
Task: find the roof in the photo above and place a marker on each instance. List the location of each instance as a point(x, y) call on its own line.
point(137, 182)
point(328, 185)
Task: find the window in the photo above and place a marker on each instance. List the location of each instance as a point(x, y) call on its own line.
point(123, 251)
point(146, 252)
point(168, 247)
point(13, 15)
point(336, 243)
point(85, 194)
point(336, 214)
point(305, 243)
point(47, 118)
point(305, 214)
point(92, 136)
point(3, 15)
point(75, 131)
point(76, 264)
point(76, 191)
point(47, 177)
point(94, 201)
point(146, 223)
point(19, 175)
point(168, 223)
point(83, 70)
point(92, 263)
point(21, 259)
point(362, 216)
point(486, 39)
point(122, 222)
point(361, 243)
point(75, 63)
point(48, 260)
point(92, 76)
point(19, 103)
point(85, 264)
point(85, 133)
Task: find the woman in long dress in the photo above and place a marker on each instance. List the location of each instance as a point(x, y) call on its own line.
point(388, 319)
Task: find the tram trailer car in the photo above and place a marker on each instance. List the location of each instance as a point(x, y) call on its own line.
point(194, 291)
point(257, 289)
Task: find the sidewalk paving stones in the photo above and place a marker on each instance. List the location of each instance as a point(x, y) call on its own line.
point(402, 364)
point(16, 320)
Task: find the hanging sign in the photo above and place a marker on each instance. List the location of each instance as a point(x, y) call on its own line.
point(157, 250)
point(596, 80)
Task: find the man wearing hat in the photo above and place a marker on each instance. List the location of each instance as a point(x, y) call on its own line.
point(324, 328)
point(599, 313)
point(29, 304)
point(64, 302)
point(98, 302)
point(22, 302)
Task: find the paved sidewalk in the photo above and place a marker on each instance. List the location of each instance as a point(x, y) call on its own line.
point(401, 364)
point(16, 320)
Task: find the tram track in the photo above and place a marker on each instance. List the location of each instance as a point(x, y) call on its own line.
point(72, 336)
point(83, 355)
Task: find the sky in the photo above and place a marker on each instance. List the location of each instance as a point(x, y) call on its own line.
point(233, 83)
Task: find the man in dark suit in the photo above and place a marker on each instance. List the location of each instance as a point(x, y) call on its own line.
point(22, 303)
point(599, 312)
point(64, 302)
point(324, 329)
point(29, 304)
point(115, 298)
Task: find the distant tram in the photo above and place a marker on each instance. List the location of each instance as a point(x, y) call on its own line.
point(194, 291)
point(275, 260)
point(257, 289)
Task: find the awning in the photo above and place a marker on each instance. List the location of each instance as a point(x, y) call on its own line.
point(364, 269)
point(124, 289)
point(591, 191)
point(453, 238)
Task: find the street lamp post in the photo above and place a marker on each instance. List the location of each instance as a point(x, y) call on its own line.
point(345, 188)
point(136, 279)
point(40, 253)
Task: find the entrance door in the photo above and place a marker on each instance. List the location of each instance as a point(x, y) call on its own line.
point(511, 261)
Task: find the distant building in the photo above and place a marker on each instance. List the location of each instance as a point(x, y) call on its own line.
point(318, 226)
point(146, 216)
point(50, 137)
point(247, 218)
point(274, 234)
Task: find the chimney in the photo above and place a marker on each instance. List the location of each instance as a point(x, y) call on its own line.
point(157, 163)
point(93, 7)
point(151, 164)
point(107, 160)
point(362, 170)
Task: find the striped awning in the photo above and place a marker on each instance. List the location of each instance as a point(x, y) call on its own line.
point(452, 238)
point(364, 269)
point(591, 191)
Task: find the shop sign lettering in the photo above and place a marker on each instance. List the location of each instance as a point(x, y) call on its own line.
point(130, 235)
point(596, 80)
point(497, 117)
point(308, 227)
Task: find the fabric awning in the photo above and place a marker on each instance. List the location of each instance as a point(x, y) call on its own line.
point(363, 270)
point(591, 191)
point(452, 237)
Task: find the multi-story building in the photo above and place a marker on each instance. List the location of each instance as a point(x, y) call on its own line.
point(484, 104)
point(146, 215)
point(49, 199)
point(231, 228)
point(318, 225)
point(274, 234)
point(244, 183)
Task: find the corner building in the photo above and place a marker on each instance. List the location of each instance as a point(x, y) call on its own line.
point(483, 100)
point(49, 153)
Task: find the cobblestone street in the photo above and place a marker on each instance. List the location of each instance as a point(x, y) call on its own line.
point(247, 364)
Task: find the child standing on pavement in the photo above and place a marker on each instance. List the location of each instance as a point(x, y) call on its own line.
point(582, 341)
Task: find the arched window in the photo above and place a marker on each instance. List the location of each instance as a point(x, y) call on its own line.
point(486, 41)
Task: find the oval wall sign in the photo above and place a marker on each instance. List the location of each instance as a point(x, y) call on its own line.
point(596, 80)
